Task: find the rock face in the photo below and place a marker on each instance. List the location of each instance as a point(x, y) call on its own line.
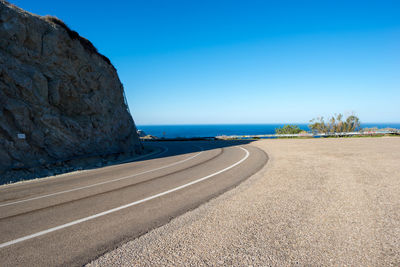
point(59, 98)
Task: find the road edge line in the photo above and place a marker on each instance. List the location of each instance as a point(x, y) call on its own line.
point(18, 240)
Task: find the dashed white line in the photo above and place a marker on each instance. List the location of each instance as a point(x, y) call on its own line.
point(146, 156)
point(123, 206)
point(101, 183)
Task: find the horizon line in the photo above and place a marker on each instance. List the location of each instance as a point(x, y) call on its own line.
point(261, 123)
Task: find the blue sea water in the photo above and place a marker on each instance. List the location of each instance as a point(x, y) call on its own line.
point(173, 131)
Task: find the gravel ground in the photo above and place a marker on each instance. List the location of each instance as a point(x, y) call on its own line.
point(330, 202)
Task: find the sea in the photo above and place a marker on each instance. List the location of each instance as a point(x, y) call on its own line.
point(211, 130)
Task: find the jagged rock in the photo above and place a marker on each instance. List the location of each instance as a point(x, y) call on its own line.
point(59, 98)
point(141, 133)
point(149, 137)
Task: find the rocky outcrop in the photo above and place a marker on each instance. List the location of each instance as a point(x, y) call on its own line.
point(59, 98)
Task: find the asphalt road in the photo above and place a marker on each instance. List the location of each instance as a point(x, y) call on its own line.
point(318, 202)
point(74, 218)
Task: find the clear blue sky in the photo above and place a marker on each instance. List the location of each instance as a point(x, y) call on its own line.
point(194, 62)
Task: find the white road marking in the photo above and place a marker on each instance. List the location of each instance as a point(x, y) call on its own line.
point(123, 206)
point(43, 179)
point(148, 155)
point(101, 183)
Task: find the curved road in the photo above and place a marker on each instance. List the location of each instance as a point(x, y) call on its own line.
point(74, 218)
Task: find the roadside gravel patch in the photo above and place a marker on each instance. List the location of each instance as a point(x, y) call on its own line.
point(316, 202)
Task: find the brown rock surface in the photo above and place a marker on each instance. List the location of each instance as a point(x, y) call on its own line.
point(58, 91)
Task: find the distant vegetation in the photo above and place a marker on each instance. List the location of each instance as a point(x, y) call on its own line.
point(288, 129)
point(335, 124)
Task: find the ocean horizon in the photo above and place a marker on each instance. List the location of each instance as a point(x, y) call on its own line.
point(211, 130)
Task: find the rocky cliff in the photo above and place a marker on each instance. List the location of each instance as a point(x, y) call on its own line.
point(59, 98)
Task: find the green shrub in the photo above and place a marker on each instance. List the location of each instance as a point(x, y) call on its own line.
point(288, 129)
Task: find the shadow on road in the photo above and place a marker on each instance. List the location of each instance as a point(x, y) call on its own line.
point(175, 148)
point(155, 149)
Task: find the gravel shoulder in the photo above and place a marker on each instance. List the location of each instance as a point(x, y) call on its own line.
point(330, 202)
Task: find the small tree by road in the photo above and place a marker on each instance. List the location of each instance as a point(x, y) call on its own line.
point(335, 124)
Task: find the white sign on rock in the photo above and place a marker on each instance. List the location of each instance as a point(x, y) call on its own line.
point(21, 136)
